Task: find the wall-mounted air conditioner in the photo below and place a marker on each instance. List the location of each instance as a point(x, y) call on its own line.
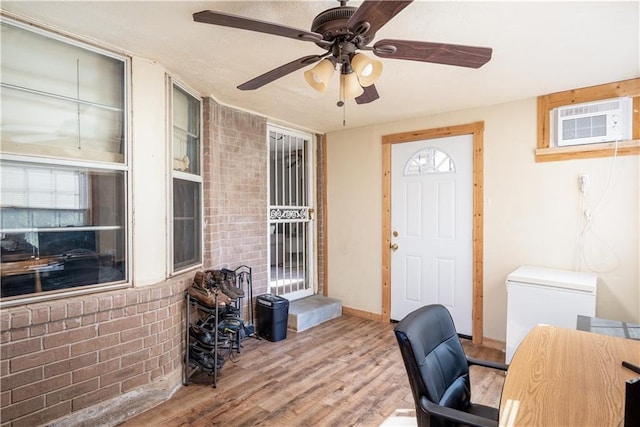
point(592, 122)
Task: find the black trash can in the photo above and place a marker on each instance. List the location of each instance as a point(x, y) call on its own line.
point(272, 313)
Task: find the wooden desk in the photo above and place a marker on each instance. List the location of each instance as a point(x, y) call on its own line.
point(31, 266)
point(565, 377)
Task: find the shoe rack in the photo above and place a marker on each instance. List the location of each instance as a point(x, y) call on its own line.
point(198, 355)
point(214, 333)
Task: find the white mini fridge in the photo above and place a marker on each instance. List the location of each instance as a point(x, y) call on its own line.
point(538, 295)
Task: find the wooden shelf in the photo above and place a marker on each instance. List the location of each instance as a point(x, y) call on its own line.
point(587, 151)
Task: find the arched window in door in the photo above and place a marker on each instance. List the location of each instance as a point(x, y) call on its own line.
point(429, 160)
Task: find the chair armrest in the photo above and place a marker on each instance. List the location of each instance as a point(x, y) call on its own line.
point(487, 363)
point(458, 417)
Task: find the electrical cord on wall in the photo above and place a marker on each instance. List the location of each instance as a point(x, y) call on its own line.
point(586, 228)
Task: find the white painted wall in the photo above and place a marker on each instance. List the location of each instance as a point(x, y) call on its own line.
point(149, 166)
point(531, 213)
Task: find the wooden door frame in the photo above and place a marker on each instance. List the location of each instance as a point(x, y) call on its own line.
point(477, 130)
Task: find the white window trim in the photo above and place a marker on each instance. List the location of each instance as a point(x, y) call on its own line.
point(171, 82)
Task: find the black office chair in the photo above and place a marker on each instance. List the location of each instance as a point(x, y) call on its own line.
point(438, 370)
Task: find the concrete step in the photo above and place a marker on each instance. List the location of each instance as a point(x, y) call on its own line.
point(311, 311)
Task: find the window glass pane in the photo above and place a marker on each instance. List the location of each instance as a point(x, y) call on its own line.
point(428, 161)
point(186, 223)
point(61, 227)
point(59, 99)
point(180, 109)
point(41, 63)
point(186, 132)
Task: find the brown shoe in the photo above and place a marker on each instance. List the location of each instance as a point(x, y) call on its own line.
point(207, 297)
point(229, 293)
point(200, 280)
point(236, 290)
point(230, 282)
point(218, 282)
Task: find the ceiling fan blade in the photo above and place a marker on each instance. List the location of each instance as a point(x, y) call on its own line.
point(440, 53)
point(234, 21)
point(373, 14)
point(370, 94)
point(281, 71)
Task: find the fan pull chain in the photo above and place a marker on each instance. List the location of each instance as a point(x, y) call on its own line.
point(341, 103)
point(344, 114)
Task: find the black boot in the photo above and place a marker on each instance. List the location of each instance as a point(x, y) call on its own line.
point(203, 358)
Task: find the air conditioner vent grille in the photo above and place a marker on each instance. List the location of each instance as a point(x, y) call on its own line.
point(585, 127)
point(590, 108)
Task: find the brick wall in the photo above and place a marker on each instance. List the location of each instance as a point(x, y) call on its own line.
point(69, 354)
point(235, 191)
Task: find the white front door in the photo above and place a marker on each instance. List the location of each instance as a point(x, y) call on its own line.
point(432, 226)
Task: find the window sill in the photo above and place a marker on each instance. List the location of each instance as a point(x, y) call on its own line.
point(587, 151)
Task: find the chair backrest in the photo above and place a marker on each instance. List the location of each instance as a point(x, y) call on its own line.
point(434, 358)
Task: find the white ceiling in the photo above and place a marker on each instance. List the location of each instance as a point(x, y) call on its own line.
point(538, 48)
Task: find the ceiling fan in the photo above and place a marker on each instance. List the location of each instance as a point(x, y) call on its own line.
point(342, 31)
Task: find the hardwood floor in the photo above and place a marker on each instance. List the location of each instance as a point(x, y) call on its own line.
point(345, 372)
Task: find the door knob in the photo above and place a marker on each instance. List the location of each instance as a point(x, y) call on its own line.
point(393, 246)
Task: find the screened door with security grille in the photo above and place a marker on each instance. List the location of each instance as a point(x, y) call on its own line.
point(289, 215)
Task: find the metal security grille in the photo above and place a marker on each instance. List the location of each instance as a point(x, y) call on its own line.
point(289, 214)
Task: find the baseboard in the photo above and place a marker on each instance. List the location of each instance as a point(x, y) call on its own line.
point(360, 313)
point(494, 344)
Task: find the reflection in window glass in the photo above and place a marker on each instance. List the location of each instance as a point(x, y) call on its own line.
point(429, 160)
point(62, 227)
point(186, 223)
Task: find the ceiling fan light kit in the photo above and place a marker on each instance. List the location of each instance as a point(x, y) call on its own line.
point(349, 86)
point(360, 72)
point(318, 77)
point(342, 31)
point(367, 69)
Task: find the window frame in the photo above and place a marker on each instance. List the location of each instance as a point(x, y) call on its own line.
point(52, 161)
point(185, 176)
point(545, 152)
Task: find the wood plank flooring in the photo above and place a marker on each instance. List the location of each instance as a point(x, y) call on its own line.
point(345, 372)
